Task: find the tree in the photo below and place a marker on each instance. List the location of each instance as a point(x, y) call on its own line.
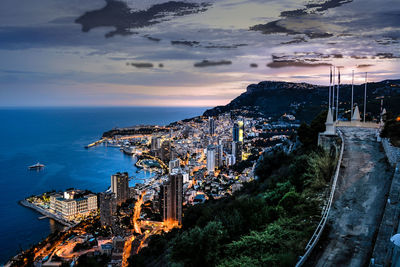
point(308, 134)
point(199, 247)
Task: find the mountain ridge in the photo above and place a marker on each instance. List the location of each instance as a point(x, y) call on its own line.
point(274, 98)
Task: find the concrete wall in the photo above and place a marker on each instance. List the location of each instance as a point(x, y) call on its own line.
point(392, 153)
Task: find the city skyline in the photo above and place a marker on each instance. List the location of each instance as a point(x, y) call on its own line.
point(194, 54)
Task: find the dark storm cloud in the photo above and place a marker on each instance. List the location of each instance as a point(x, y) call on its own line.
point(364, 66)
point(337, 55)
point(314, 7)
point(306, 59)
point(289, 26)
point(141, 65)
point(293, 18)
point(359, 57)
point(207, 63)
point(321, 7)
point(387, 41)
point(386, 56)
point(118, 15)
point(293, 63)
point(185, 43)
point(295, 41)
point(273, 27)
point(209, 46)
point(152, 38)
point(225, 46)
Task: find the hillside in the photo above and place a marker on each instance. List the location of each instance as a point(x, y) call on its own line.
point(267, 223)
point(273, 98)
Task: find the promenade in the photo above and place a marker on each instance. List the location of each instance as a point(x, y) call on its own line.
point(363, 183)
point(46, 213)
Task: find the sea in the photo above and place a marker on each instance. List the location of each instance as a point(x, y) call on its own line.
point(57, 137)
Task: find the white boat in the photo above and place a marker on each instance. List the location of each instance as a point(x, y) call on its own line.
point(36, 166)
point(129, 150)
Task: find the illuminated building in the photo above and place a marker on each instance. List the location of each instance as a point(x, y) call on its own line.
point(219, 158)
point(108, 207)
point(237, 150)
point(166, 151)
point(211, 125)
point(211, 159)
point(171, 199)
point(155, 143)
point(73, 203)
point(173, 164)
point(120, 186)
point(238, 131)
point(230, 160)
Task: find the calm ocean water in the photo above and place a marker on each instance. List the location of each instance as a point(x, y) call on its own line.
point(56, 137)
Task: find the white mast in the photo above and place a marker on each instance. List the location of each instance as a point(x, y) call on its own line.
point(365, 95)
point(352, 92)
point(330, 84)
point(337, 96)
point(333, 92)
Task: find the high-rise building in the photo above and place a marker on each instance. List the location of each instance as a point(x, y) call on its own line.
point(155, 143)
point(237, 150)
point(219, 157)
point(171, 198)
point(211, 159)
point(238, 131)
point(173, 164)
point(108, 207)
point(230, 160)
point(211, 125)
point(120, 186)
point(166, 153)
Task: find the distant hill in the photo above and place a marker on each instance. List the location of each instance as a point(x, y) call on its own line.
point(305, 101)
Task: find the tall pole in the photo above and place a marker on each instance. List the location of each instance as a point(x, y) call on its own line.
point(333, 92)
point(337, 96)
point(330, 85)
point(365, 95)
point(352, 93)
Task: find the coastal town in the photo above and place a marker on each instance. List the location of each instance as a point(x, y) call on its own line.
point(191, 161)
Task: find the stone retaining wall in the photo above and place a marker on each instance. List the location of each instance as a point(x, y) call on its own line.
point(392, 153)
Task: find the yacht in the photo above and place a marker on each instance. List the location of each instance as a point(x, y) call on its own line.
point(36, 166)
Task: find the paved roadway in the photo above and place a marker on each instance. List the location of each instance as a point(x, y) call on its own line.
point(363, 184)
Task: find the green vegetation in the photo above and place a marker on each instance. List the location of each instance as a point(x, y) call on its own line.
point(267, 223)
point(392, 130)
point(308, 134)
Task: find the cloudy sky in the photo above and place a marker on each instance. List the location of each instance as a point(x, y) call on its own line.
point(186, 53)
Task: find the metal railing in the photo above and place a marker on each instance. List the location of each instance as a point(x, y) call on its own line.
point(368, 124)
point(325, 213)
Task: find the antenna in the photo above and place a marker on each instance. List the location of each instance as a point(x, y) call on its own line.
point(365, 94)
point(352, 93)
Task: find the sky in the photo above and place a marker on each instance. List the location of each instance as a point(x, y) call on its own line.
point(186, 53)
